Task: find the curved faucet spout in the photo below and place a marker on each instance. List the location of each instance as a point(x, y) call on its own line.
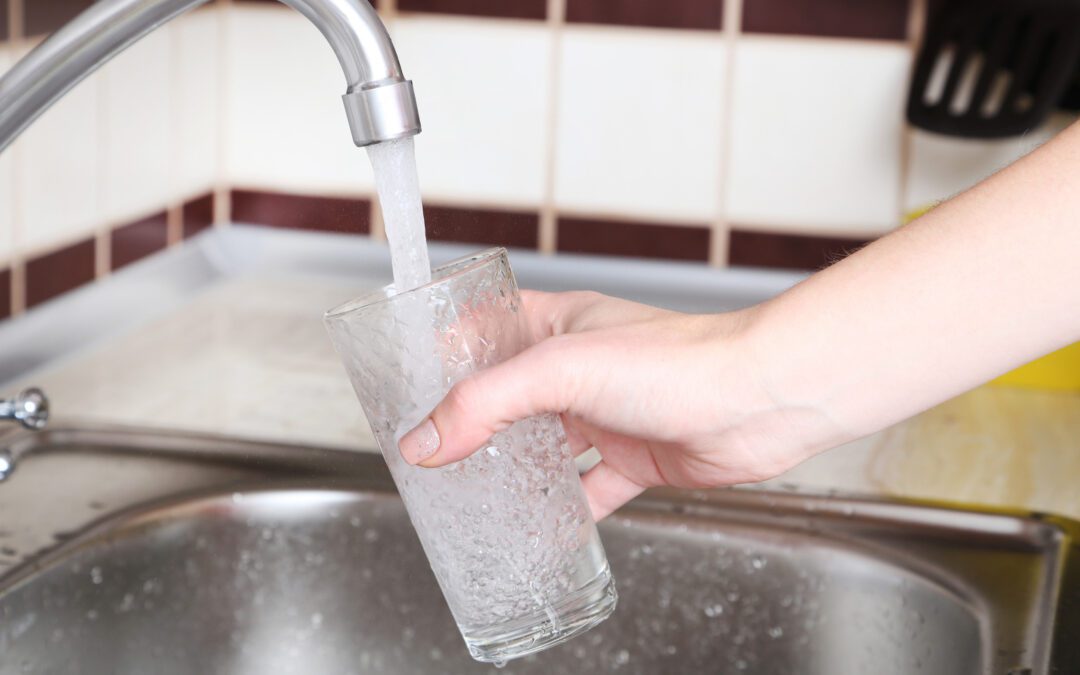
point(379, 101)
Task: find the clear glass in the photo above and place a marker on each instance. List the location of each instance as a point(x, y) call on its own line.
point(507, 531)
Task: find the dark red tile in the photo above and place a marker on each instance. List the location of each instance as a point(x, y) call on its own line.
point(507, 9)
point(638, 240)
point(137, 240)
point(482, 226)
point(45, 16)
point(198, 215)
point(695, 14)
point(301, 212)
point(874, 19)
point(5, 294)
point(788, 251)
point(5, 31)
point(54, 273)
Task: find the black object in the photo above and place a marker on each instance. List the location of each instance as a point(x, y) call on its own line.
point(996, 68)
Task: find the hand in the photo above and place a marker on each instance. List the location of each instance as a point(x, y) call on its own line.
point(667, 399)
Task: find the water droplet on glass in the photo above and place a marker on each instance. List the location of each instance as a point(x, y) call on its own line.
point(492, 451)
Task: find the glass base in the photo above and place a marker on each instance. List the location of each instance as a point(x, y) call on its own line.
point(571, 617)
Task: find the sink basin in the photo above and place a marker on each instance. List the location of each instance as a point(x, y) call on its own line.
point(130, 552)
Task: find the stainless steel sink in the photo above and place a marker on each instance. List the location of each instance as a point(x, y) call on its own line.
point(129, 552)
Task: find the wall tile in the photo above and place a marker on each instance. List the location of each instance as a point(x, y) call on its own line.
point(197, 108)
point(639, 124)
point(132, 242)
point(482, 226)
point(45, 16)
point(198, 215)
point(638, 240)
point(517, 9)
point(696, 14)
point(285, 124)
point(485, 135)
point(7, 185)
point(816, 135)
point(880, 19)
point(327, 214)
point(5, 293)
point(788, 251)
point(54, 273)
point(59, 170)
point(138, 107)
point(942, 166)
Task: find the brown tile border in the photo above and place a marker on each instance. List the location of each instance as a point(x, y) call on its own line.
point(134, 241)
point(506, 9)
point(198, 215)
point(637, 240)
point(301, 212)
point(41, 17)
point(788, 251)
point(482, 226)
point(5, 31)
point(871, 19)
point(693, 14)
point(5, 294)
point(49, 275)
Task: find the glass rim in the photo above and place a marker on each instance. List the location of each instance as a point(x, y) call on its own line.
point(458, 267)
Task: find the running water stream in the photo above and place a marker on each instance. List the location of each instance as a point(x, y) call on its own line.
point(398, 185)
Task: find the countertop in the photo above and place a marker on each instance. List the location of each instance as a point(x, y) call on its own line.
point(225, 337)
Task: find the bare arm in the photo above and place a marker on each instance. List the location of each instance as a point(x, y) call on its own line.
point(983, 283)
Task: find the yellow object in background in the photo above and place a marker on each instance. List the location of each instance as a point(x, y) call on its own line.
point(1059, 371)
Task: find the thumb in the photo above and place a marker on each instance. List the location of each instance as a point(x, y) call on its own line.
point(541, 379)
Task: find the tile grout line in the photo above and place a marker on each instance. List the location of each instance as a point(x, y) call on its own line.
point(174, 204)
point(15, 21)
point(221, 206)
point(17, 292)
point(548, 234)
point(102, 243)
point(721, 227)
point(917, 16)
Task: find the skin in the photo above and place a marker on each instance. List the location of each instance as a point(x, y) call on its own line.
point(983, 283)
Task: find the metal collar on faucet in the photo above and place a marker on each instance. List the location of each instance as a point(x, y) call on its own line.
point(379, 101)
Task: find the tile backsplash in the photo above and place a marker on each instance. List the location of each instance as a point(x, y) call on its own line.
point(726, 132)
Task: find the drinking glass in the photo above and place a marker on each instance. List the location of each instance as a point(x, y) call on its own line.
point(507, 531)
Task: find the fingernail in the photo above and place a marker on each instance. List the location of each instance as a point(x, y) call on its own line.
point(420, 443)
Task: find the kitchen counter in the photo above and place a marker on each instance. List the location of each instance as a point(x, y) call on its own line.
point(224, 336)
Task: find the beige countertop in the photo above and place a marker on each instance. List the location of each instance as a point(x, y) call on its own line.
point(249, 358)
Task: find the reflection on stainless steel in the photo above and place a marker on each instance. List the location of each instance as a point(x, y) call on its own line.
point(180, 555)
point(29, 408)
point(379, 101)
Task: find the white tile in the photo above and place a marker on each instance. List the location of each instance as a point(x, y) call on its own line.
point(942, 166)
point(482, 88)
point(816, 135)
point(196, 141)
point(286, 127)
point(7, 187)
point(58, 177)
point(138, 109)
point(639, 122)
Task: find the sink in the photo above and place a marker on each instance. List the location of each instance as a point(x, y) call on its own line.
point(135, 552)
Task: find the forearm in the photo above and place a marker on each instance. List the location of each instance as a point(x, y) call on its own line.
point(985, 282)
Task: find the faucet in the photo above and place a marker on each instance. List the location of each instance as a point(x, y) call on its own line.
point(30, 409)
point(379, 101)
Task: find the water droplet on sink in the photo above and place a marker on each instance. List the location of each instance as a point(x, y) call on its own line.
point(7, 465)
point(714, 610)
point(95, 575)
point(622, 657)
point(758, 562)
point(776, 632)
point(92, 615)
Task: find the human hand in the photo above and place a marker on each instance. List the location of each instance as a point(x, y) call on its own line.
point(666, 398)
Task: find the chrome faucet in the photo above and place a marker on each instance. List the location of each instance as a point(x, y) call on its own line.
point(379, 101)
point(30, 409)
